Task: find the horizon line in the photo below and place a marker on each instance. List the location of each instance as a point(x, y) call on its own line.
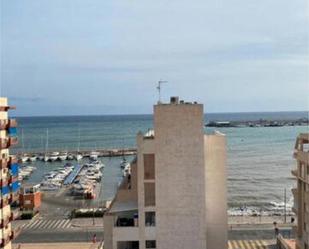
point(148, 114)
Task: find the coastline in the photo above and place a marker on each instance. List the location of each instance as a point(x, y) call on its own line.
point(247, 220)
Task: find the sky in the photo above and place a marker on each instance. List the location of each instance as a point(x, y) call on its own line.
point(105, 57)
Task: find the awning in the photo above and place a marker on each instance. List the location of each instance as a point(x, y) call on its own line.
point(123, 206)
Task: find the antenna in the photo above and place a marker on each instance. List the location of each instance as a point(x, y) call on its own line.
point(160, 82)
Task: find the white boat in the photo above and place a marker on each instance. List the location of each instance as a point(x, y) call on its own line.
point(78, 157)
point(53, 156)
point(24, 159)
point(32, 158)
point(70, 157)
point(94, 156)
point(123, 163)
point(49, 186)
point(46, 157)
point(63, 156)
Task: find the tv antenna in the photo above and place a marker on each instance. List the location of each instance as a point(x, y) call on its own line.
point(160, 82)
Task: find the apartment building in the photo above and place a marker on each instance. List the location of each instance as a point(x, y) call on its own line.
point(301, 193)
point(9, 184)
point(174, 195)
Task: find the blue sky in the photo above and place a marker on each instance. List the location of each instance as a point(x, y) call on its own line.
point(105, 57)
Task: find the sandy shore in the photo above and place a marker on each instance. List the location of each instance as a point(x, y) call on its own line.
point(258, 220)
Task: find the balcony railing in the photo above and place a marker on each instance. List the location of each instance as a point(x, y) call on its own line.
point(126, 222)
point(294, 172)
point(14, 169)
point(7, 162)
point(8, 123)
point(6, 108)
point(5, 222)
point(7, 142)
point(4, 201)
point(15, 214)
point(13, 197)
point(7, 239)
point(4, 163)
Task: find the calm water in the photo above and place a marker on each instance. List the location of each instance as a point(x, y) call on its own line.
point(259, 159)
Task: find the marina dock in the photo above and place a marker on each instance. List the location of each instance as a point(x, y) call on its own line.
point(84, 153)
point(71, 177)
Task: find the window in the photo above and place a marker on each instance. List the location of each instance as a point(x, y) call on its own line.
point(150, 195)
point(150, 219)
point(150, 244)
point(149, 166)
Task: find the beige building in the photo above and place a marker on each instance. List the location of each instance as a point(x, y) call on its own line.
point(174, 195)
point(301, 194)
point(8, 175)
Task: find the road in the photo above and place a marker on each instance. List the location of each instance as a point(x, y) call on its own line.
point(67, 235)
point(51, 232)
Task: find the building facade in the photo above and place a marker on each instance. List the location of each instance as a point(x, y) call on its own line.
point(175, 193)
point(9, 184)
point(301, 193)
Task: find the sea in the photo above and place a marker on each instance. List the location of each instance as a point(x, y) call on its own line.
point(259, 158)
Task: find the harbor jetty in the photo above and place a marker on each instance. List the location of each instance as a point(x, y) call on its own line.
point(56, 154)
point(258, 123)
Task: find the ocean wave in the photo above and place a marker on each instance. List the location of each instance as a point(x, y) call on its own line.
point(270, 209)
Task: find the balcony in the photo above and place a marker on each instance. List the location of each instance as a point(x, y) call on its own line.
point(4, 163)
point(294, 172)
point(15, 214)
point(4, 201)
point(5, 241)
point(13, 197)
point(12, 131)
point(5, 143)
point(5, 190)
point(12, 179)
point(7, 162)
point(14, 168)
point(15, 185)
point(6, 124)
point(126, 233)
point(6, 108)
point(5, 222)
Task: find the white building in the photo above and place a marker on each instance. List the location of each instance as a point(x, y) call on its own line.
point(175, 194)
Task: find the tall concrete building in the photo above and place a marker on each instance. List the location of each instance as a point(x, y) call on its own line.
point(9, 184)
point(301, 193)
point(174, 195)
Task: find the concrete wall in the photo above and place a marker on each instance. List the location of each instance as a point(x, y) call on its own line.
point(216, 205)
point(108, 231)
point(144, 146)
point(4, 232)
point(180, 176)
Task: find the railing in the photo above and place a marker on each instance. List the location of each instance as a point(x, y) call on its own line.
point(281, 244)
point(125, 222)
point(15, 214)
point(6, 108)
point(5, 222)
point(4, 201)
point(7, 142)
point(4, 163)
point(13, 197)
point(7, 123)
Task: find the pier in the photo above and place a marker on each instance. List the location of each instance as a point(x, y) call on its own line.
point(84, 153)
point(71, 177)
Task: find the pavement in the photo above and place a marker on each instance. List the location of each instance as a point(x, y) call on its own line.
point(57, 245)
point(251, 244)
point(82, 230)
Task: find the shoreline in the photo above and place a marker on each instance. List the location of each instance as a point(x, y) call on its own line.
point(246, 220)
